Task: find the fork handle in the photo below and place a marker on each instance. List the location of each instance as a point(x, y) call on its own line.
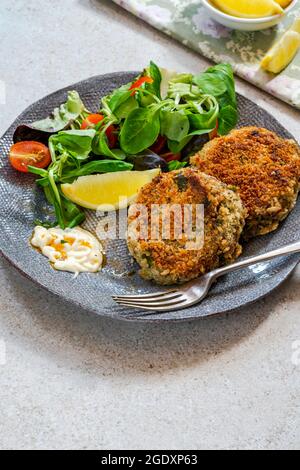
point(284, 251)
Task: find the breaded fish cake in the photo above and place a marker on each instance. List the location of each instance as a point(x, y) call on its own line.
point(170, 260)
point(263, 167)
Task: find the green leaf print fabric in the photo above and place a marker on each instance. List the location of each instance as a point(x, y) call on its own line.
point(188, 22)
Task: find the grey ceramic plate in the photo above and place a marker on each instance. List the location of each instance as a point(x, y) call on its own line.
point(21, 203)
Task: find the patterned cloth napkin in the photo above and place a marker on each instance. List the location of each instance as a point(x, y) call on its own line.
point(187, 21)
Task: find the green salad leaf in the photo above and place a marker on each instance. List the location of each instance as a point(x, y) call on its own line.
point(176, 165)
point(210, 84)
point(228, 116)
point(174, 125)
point(76, 142)
point(155, 74)
point(228, 119)
point(119, 97)
point(63, 116)
point(207, 114)
point(140, 130)
point(126, 107)
point(94, 167)
point(177, 147)
point(101, 147)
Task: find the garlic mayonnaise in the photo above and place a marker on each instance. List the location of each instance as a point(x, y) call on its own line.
point(74, 250)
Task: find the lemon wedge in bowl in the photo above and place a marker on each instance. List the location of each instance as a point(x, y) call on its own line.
point(296, 26)
point(109, 191)
point(249, 8)
point(283, 52)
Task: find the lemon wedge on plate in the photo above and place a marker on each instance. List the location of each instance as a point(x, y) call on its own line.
point(283, 52)
point(109, 191)
point(249, 8)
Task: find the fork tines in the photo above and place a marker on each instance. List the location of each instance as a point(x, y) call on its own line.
point(160, 302)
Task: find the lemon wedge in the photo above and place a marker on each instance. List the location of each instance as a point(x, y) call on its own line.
point(109, 191)
point(249, 8)
point(284, 3)
point(283, 52)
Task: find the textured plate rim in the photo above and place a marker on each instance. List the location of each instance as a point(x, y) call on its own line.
point(139, 316)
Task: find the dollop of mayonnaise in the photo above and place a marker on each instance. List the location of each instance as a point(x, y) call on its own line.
point(74, 249)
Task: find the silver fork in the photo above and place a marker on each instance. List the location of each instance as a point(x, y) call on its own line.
point(194, 292)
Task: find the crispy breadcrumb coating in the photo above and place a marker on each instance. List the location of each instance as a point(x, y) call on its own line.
point(171, 261)
point(263, 167)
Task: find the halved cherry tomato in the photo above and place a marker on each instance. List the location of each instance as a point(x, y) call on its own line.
point(159, 145)
point(139, 83)
point(170, 157)
point(112, 136)
point(91, 121)
point(27, 153)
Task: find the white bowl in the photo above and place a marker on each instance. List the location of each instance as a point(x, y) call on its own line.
point(245, 24)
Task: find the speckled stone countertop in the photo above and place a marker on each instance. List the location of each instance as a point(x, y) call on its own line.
point(70, 380)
